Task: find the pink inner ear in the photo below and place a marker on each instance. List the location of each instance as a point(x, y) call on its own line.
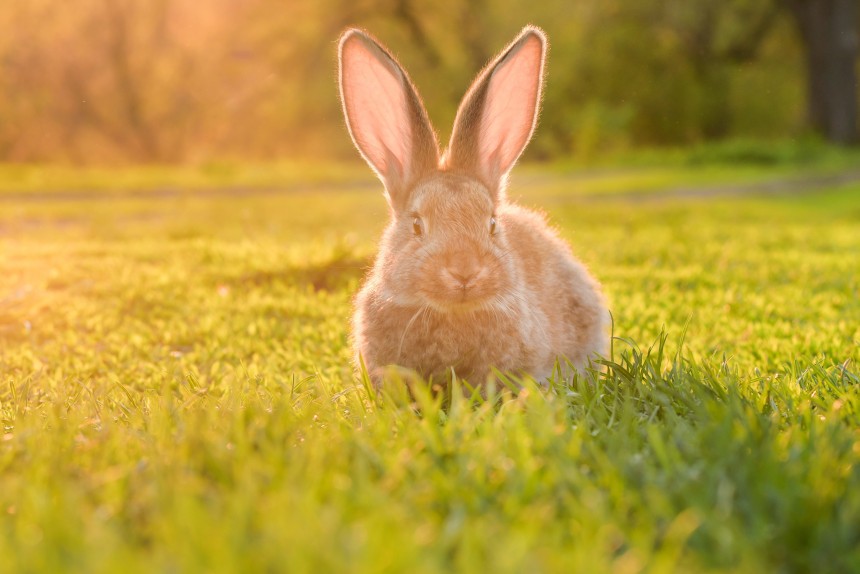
point(509, 113)
point(376, 107)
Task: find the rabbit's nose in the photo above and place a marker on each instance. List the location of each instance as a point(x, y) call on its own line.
point(465, 277)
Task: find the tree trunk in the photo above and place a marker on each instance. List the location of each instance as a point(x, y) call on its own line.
point(829, 32)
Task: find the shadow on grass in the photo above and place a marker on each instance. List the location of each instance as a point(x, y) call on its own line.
point(337, 274)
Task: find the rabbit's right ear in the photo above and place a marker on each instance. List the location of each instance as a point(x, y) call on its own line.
point(385, 116)
point(499, 112)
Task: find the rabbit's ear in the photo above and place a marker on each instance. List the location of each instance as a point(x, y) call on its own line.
point(499, 112)
point(385, 116)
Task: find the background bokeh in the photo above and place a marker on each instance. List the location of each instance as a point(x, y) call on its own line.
point(127, 81)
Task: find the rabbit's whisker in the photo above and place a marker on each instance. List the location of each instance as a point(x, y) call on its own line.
point(406, 330)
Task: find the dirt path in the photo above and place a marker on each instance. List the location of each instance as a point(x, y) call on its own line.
point(776, 186)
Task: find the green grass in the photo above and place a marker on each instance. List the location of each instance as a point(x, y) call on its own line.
point(177, 395)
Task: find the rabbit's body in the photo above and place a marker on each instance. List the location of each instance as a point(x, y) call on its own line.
point(558, 313)
point(464, 280)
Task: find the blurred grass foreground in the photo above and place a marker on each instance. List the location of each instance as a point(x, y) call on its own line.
point(180, 240)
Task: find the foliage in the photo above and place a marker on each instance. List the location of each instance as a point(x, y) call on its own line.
point(177, 395)
point(168, 81)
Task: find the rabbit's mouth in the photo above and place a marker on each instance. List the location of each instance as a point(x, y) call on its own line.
point(462, 301)
point(461, 286)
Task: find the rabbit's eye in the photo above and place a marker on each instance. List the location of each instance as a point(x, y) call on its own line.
point(493, 225)
point(418, 227)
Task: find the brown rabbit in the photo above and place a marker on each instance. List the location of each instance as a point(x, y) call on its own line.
point(464, 279)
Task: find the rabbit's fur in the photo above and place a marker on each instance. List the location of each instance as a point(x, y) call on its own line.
point(464, 279)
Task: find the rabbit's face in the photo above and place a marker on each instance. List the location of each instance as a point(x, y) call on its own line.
point(454, 253)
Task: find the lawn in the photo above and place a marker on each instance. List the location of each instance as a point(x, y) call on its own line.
point(177, 394)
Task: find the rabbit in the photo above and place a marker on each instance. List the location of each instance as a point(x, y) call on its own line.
point(465, 281)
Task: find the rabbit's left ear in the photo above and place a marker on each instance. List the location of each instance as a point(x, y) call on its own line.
point(498, 114)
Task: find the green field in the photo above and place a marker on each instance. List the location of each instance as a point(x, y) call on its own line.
point(177, 394)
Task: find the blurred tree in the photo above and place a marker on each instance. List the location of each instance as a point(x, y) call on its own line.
point(668, 71)
point(829, 30)
point(718, 36)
